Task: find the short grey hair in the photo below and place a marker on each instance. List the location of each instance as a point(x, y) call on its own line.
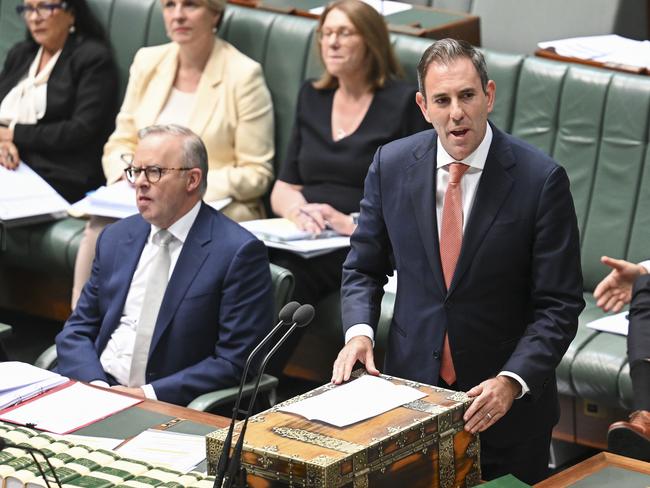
point(195, 155)
point(445, 51)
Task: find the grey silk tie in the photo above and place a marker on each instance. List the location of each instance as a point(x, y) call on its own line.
point(153, 295)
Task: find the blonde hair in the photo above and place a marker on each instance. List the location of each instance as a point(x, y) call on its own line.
point(216, 5)
point(371, 27)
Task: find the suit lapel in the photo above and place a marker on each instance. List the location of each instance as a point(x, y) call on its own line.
point(421, 180)
point(157, 93)
point(494, 187)
point(205, 103)
point(189, 263)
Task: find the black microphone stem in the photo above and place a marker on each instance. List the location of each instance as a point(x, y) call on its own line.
point(235, 461)
point(285, 318)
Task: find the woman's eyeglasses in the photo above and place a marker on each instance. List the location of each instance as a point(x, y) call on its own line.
point(43, 10)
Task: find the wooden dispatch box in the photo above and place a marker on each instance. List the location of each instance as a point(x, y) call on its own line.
point(419, 444)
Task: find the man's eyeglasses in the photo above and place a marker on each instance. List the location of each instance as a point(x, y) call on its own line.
point(43, 10)
point(153, 174)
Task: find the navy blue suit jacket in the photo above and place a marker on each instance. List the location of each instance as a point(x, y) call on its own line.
point(217, 307)
point(516, 294)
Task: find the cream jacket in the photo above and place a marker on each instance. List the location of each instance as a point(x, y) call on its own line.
point(232, 113)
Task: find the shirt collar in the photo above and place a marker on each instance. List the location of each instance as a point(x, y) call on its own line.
point(181, 228)
point(475, 160)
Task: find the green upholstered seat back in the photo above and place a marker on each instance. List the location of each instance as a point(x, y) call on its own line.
point(281, 44)
point(12, 27)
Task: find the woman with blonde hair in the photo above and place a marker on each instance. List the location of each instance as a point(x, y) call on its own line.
point(357, 104)
point(204, 83)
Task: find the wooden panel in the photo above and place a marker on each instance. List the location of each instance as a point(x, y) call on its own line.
point(592, 466)
point(592, 421)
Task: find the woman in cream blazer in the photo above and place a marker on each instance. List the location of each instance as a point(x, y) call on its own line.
point(232, 113)
point(204, 83)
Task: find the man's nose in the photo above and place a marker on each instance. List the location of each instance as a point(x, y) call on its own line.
point(457, 113)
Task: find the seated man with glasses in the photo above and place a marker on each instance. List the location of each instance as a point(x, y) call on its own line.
point(179, 294)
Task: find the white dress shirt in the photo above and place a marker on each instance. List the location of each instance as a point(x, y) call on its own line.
point(469, 184)
point(116, 357)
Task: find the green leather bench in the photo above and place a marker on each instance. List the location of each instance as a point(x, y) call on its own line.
point(594, 122)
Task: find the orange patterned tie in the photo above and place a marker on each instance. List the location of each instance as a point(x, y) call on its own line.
point(451, 238)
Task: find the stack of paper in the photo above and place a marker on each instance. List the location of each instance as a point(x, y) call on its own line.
point(21, 381)
point(384, 7)
point(68, 408)
point(24, 194)
point(355, 401)
point(118, 201)
point(608, 49)
point(283, 234)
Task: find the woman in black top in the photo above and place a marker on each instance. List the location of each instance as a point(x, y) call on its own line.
point(357, 105)
point(58, 96)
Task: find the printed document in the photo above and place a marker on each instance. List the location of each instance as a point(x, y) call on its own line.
point(23, 193)
point(615, 324)
point(171, 450)
point(22, 381)
point(68, 408)
point(118, 201)
point(357, 400)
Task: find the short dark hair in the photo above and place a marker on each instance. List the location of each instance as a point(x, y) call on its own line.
point(195, 155)
point(85, 22)
point(445, 51)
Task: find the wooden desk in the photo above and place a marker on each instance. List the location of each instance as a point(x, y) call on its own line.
point(418, 21)
point(604, 469)
point(550, 54)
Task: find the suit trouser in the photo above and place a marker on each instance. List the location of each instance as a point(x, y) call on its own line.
point(638, 342)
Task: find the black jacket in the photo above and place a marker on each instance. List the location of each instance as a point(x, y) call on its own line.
point(65, 146)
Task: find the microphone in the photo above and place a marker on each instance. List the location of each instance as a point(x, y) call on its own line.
point(31, 450)
point(301, 318)
point(286, 317)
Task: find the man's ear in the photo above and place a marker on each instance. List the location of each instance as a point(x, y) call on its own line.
point(422, 103)
point(193, 179)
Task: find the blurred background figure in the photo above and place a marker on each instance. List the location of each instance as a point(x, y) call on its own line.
point(204, 83)
point(58, 96)
point(629, 283)
point(356, 105)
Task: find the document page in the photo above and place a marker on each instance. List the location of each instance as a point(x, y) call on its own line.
point(22, 381)
point(23, 193)
point(609, 48)
point(357, 400)
point(615, 324)
point(69, 408)
point(118, 201)
point(172, 450)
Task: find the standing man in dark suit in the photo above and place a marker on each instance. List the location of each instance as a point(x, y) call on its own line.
point(179, 294)
point(482, 231)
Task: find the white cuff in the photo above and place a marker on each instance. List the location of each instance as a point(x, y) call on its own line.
point(101, 383)
point(360, 330)
point(646, 265)
point(149, 392)
point(515, 376)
